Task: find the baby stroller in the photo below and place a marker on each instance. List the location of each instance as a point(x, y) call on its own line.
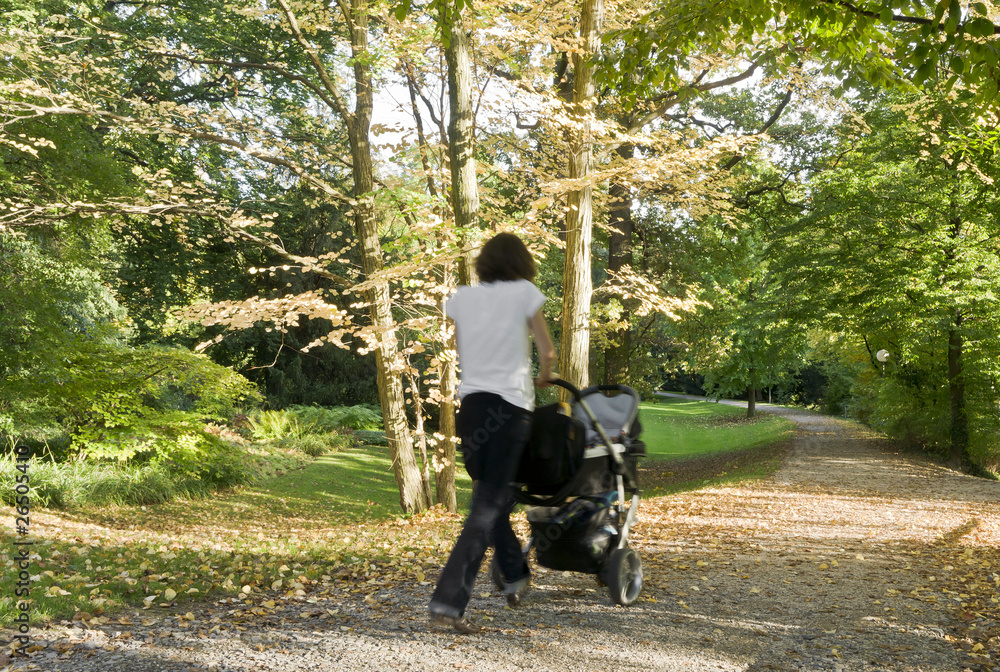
point(578, 480)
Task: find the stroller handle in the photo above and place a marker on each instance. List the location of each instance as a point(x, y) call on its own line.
point(568, 386)
point(578, 394)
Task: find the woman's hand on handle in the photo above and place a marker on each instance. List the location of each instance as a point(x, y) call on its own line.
point(541, 382)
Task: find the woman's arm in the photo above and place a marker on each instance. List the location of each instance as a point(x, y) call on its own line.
point(546, 351)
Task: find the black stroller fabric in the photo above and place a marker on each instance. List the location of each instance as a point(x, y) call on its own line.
point(575, 537)
point(555, 465)
point(554, 454)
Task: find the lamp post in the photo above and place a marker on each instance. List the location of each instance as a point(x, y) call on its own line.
point(882, 356)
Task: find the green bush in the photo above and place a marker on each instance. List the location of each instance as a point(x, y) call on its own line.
point(371, 438)
point(79, 483)
point(315, 445)
point(984, 428)
point(297, 422)
point(277, 426)
point(920, 417)
point(71, 382)
point(361, 416)
point(118, 403)
point(915, 417)
point(89, 482)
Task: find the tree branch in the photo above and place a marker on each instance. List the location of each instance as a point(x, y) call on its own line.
point(767, 125)
point(897, 18)
point(251, 65)
point(669, 102)
point(333, 100)
point(260, 155)
point(306, 263)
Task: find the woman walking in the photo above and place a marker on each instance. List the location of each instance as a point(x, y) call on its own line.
point(493, 321)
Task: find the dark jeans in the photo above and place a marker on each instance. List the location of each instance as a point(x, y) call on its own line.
point(494, 433)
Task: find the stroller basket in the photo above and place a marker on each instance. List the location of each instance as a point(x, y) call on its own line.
point(576, 537)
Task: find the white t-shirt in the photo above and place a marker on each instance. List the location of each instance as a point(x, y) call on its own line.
point(494, 350)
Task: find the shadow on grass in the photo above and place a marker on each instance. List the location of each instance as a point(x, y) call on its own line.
point(680, 475)
point(344, 487)
point(351, 487)
point(681, 430)
point(330, 517)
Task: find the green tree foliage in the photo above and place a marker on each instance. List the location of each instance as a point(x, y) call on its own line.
point(241, 93)
point(47, 307)
point(901, 249)
point(170, 253)
point(90, 190)
point(67, 371)
point(747, 335)
point(160, 156)
point(886, 43)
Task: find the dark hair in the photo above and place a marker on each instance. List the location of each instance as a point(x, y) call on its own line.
point(504, 257)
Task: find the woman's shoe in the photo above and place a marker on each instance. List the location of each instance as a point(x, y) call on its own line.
point(516, 591)
point(457, 622)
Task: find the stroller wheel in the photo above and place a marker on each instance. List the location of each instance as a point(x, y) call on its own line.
point(495, 574)
point(623, 574)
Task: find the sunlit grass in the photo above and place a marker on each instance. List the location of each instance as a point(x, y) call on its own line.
point(351, 486)
point(678, 429)
point(694, 444)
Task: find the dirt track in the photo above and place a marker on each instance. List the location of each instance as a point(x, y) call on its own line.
point(851, 557)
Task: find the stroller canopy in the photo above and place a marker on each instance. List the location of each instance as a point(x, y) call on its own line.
point(618, 415)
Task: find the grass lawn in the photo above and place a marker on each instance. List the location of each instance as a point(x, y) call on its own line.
point(678, 429)
point(347, 487)
point(692, 444)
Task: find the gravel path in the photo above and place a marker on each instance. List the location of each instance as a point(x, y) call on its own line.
point(850, 558)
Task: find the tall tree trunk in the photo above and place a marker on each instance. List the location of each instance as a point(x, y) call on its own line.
point(461, 125)
point(752, 370)
point(421, 432)
point(445, 454)
point(390, 385)
point(958, 454)
point(465, 206)
point(621, 224)
point(574, 351)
